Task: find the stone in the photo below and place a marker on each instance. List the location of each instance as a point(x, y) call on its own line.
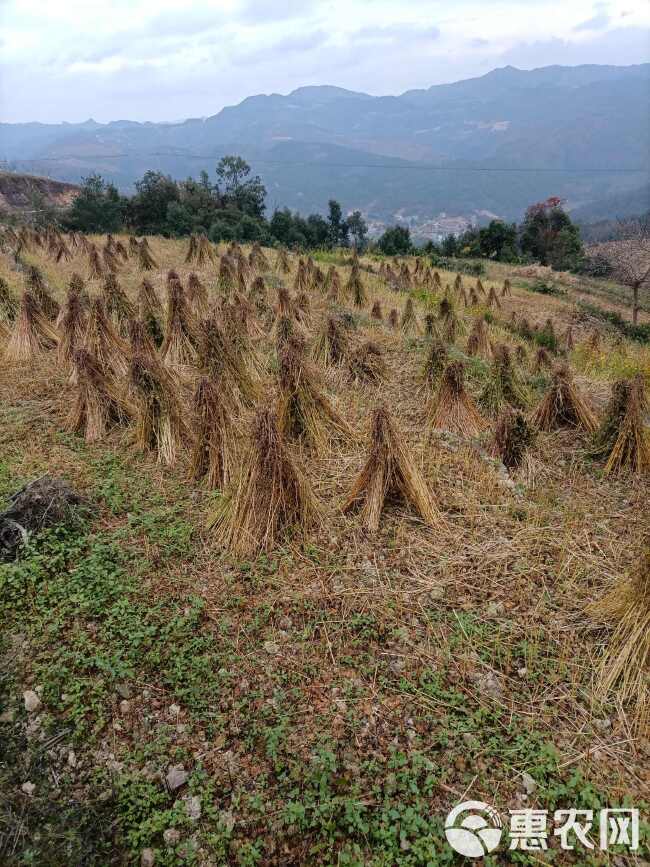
point(271, 647)
point(147, 858)
point(28, 788)
point(529, 783)
point(72, 759)
point(32, 701)
point(171, 837)
point(8, 716)
point(176, 777)
point(174, 709)
point(193, 807)
point(125, 706)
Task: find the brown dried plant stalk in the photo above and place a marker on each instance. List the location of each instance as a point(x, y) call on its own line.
point(452, 408)
point(563, 406)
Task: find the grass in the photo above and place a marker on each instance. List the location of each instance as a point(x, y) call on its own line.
point(330, 699)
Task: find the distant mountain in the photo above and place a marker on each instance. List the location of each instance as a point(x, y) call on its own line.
point(490, 144)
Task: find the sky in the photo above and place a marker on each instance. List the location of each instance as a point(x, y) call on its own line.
point(158, 60)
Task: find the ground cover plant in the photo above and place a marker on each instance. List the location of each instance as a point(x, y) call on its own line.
point(342, 570)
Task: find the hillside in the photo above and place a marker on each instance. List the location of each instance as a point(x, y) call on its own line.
point(307, 680)
point(19, 192)
point(445, 149)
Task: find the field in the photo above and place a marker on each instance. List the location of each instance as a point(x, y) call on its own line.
point(330, 699)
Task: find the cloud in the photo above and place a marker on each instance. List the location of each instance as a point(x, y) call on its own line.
point(598, 22)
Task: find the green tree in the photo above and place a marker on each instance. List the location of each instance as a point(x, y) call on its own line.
point(338, 228)
point(548, 235)
point(238, 190)
point(498, 240)
point(97, 208)
point(148, 209)
point(396, 241)
point(358, 229)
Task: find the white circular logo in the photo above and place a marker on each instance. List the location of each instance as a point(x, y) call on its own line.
point(475, 834)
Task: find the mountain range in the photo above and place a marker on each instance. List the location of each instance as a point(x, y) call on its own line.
point(476, 148)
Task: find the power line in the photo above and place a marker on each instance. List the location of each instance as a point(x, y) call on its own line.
point(407, 167)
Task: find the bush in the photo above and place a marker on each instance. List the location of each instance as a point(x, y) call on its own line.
point(611, 317)
point(544, 288)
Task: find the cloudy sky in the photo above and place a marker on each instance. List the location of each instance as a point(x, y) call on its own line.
point(163, 60)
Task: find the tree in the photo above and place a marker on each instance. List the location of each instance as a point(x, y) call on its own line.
point(629, 258)
point(338, 226)
point(498, 240)
point(358, 229)
point(239, 191)
point(548, 235)
point(97, 208)
point(396, 241)
point(148, 209)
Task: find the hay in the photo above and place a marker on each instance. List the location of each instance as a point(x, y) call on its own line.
point(452, 408)
point(118, 306)
point(146, 261)
point(179, 346)
point(98, 403)
point(197, 296)
point(220, 357)
point(270, 497)
point(305, 413)
point(563, 406)
point(506, 292)
point(376, 313)
point(282, 263)
point(409, 323)
point(513, 436)
point(9, 303)
point(103, 342)
point(493, 299)
point(435, 362)
point(503, 385)
point(389, 474)
point(367, 364)
point(160, 424)
point(73, 327)
point(214, 453)
point(331, 344)
point(356, 289)
point(150, 312)
point(95, 267)
point(478, 342)
point(32, 335)
point(332, 286)
point(393, 319)
point(35, 281)
point(140, 340)
point(543, 360)
point(624, 666)
point(622, 439)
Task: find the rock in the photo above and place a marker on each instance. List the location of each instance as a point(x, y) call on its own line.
point(72, 759)
point(28, 788)
point(271, 647)
point(529, 783)
point(32, 701)
point(147, 858)
point(171, 837)
point(193, 807)
point(174, 710)
point(125, 706)
point(8, 716)
point(123, 690)
point(176, 777)
point(45, 502)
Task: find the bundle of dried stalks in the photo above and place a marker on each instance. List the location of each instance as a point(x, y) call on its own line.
point(160, 424)
point(493, 299)
point(304, 411)
point(192, 247)
point(134, 246)
point(543, 360)
point(473, 297)
point(197, 296)
point(503, 385)
point(478, 342)
point(367, 364)
point(521, 354)
point(390, 474)
point(479, 287)
point(622, 439)
point(32, 335)
point(513, 436)
point(376, 312)
point(302, 308)
point(355, 287)
point(227, 279)
point(301, 281)
point(569, 341)
point(435, 362)
point(624, 666)
point(179, 346)
point(140, 340)
point(282, 263)
point(98, 403)
point(452, 408)
point(333, 285)
point(109, 258)
point(506, 292)
point(150, 312)
point(73, 327)
point(8, 302)
point(121, 251)
point(103, 342)
point(221, 357)
point(36, 283)
point(117, 304)
point(270, 497)
point(146, 261)
point(563, 405)
point(430, 326)
point(451, 325)
point(458, 283)
point(214, 453)
point(331, 343)
point(393, 319)
point(257, 258)
point(204, 251)
point(409, 323)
